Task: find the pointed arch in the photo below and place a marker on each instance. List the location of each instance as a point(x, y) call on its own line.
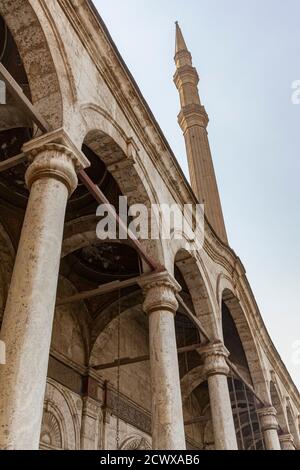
point(245, 334)
point(120, 154)
point(28, 34)
point(195, 280)
point(61, 424)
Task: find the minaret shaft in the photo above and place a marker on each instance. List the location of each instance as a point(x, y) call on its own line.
point(193, 121)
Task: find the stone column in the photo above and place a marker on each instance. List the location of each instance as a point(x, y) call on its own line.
point(167, 416)
point(269, 427)
point(216, 371)
point(90, 437)
point(287, 442)
point(27, 324)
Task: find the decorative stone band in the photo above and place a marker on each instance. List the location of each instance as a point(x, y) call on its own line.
point(160, 291)
point(186, 74)
point(268, 418)
point(54, 155)
point(193, 115)
point(183, 58)
point(214, 356)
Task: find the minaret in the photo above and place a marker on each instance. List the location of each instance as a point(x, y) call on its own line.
point(193, 121)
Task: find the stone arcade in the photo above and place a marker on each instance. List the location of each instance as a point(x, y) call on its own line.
point(133, 345)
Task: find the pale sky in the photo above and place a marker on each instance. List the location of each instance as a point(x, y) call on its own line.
point(247, 53)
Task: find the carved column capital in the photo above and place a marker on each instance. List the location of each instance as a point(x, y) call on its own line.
point(160, 291)
point(54, 155)
point(268, 418)
point(91, 407)
point(287, 441)
point(214, 356)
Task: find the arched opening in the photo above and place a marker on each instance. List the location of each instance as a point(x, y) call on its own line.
point(244, 407)
point(194, 389)
point(15, 126)
point(33, 47)
point(244, 403)
point(118, 328)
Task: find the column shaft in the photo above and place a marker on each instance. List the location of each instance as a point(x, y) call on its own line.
point(221, 411)
point(27, 323)
point(167, 415)
point(28, 316)
point(216, 370)
point(269, 427)
point(271, 439)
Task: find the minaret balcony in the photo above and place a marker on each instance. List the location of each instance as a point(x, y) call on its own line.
point(193, 115)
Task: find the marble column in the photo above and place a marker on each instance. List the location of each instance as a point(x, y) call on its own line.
point(269, 427)
point(90, 436)
point(287, 442)
point(216, 370)
point(167, 416)
point(28, 317)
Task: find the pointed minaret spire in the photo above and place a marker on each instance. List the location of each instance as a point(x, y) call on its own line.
point(180, 42)
point(193, 121)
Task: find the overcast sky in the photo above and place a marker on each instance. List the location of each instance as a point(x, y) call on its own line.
point(247, 53)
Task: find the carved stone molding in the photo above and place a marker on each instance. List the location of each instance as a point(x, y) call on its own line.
point(193, 115)
point(215, 355)
point(54, 155)
point(287, 442)
point(268, 418)
point(160, 291)
point(128, 412)
point(51, 433)
point(135, 443)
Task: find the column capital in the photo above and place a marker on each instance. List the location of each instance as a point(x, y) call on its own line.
point(91, 407)
point(54, 155)
point(268, 418)
point(287, 441)
point(160, 291)
point(214, 356)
